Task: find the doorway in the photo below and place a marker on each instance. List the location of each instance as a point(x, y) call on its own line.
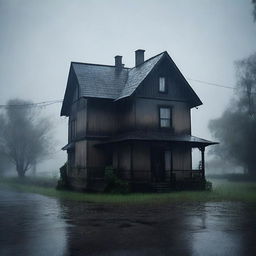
point(158, 164)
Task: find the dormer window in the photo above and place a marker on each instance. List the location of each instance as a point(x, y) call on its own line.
point(162, 84)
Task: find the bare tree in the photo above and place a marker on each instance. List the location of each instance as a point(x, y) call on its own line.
point(246, 83)
point(25, 136)
point(4, 164)
point(254, 9)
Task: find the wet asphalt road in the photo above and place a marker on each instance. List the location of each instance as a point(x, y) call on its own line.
point(32, 224)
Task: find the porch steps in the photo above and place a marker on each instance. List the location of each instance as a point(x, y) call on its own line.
point(161, 187)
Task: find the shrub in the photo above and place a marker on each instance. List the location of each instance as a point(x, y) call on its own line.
point(113, 183)
point(208, 185)
point(63, 181)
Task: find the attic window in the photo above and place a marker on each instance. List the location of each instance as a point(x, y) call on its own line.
point(162, 85)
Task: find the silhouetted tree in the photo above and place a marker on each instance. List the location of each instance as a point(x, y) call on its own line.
point(236, 128)
point(4, 164)
point(254, 9)
point(25, 137)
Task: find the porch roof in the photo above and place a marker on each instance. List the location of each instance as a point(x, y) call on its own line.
point(158, 137)
point(69, 146)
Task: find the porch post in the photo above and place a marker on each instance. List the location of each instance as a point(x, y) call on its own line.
point(131, 161)
point(202, 149)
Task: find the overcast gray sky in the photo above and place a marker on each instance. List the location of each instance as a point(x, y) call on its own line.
point(38, 39)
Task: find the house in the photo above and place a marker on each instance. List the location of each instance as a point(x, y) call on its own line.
point(136, 120)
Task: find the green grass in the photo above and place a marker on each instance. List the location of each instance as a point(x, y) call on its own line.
point(224, 191)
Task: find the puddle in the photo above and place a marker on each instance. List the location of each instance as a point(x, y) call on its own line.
point(36, 225)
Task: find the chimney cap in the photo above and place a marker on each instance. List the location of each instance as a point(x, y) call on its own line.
point(140, 50)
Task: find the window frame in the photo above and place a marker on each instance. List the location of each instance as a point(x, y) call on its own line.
point(165, 85)
point(159, 117)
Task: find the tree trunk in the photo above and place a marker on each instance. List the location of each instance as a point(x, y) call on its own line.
point(20, 171)
point(34, 169)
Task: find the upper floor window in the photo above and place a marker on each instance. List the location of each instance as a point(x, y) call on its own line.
point(162, 84)
point(165, 117)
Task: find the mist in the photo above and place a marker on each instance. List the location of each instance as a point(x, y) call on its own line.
point(236, 127)
point(39, 39)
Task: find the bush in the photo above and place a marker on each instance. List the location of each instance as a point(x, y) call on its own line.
point(208, 185)
point(63, 181)
point(113, 183)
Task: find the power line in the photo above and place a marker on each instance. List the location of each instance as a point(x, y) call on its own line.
point(218, 85)
point(214, 84)
point(51, 102)
point(38, 104)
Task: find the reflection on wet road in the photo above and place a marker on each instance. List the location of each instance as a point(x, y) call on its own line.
point(30, 224)
point(37, 225)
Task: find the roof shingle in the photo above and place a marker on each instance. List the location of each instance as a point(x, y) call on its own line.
point(102, 81)
point(110, 82)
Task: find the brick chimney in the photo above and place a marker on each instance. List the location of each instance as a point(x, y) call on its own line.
point(139, 57)
point(118, 62)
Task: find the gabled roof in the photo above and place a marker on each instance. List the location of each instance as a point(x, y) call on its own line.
point(109, 82)
point(100, 81)
point(137, 74)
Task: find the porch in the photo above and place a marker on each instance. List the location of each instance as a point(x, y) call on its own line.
point(146, 160)
point(144, 181)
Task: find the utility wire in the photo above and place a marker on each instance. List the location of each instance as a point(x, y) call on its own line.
point(218, 85)
point(51, 102)
point(38, 104)
point(214, 84)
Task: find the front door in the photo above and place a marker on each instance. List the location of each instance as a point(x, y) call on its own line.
point(158, 164)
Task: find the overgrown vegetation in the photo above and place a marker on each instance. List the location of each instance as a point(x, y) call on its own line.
point(222, 191)
point(113, 183)
point(63, 181)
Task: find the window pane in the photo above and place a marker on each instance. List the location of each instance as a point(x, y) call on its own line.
point(162, 84)
point(165, 122)
point(165, 113)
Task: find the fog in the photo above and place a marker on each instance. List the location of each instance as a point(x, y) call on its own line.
point(39, 39)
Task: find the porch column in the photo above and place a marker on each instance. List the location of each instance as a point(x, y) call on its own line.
point(131, 161)
point(202, 149)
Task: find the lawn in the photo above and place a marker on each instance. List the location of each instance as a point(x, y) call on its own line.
point(222, 191)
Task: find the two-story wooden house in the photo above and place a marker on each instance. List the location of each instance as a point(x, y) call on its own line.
point(134, 119)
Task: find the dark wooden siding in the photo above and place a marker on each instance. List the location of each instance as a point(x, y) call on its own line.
point(125, 111)
point(133, 160)
point(176, 89)
point(78, 114)
point(147, 115)
point(97, 158)
point(181, 158)
point(81, 154)
point(101, 117)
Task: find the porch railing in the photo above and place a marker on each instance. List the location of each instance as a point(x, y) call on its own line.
point(145, 175)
